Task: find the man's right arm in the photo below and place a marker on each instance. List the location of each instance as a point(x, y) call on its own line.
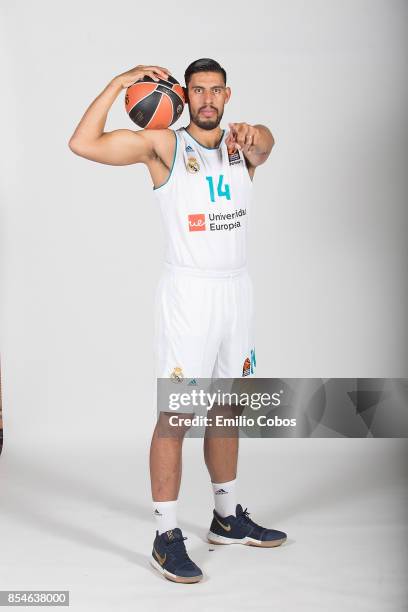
point(119, 147)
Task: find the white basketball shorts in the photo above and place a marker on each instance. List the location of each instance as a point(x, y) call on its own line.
point(204, 324)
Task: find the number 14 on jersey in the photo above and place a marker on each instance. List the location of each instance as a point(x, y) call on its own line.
point(221, 192)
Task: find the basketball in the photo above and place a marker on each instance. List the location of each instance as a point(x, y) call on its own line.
point(154, 104)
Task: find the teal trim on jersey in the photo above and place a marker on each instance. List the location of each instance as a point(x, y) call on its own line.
point(204, 147)
point(172, 165)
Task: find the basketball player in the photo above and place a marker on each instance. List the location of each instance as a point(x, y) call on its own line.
point(202, 179)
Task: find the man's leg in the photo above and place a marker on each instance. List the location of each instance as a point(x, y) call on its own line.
point(231, 523)
point(221, 445)
point(165, 470)
point(169, 555)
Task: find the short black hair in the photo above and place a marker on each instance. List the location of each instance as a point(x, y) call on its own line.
point(205, 64)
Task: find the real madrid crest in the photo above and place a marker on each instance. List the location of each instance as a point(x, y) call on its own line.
point(192, 165)
point(177, 375)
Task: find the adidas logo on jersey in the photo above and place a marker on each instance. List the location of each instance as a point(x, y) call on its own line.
point(221, 492)
point(188, 148)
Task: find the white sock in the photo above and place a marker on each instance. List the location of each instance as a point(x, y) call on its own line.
point(224, 497)
point(165, 513)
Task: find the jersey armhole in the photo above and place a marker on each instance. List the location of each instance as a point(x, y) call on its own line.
point(172, 165)
point(251, 180)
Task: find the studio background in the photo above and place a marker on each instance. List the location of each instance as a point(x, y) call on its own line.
point(81, 252)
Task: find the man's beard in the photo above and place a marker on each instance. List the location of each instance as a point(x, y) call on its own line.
point(206, 123)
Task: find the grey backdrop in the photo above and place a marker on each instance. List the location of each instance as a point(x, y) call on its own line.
point(82, 243)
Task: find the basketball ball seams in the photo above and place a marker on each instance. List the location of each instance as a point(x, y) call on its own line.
point(144, 110)
point(174, 105)
point(154, 105)
point(167, 90)
point(129, 109)
point(161, 89)
point(155, 111)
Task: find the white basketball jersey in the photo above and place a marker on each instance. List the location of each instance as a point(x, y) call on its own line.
point(205, 205)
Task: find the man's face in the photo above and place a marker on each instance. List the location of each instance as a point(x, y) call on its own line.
point(206, 97)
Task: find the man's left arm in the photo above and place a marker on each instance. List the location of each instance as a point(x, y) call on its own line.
point(255, 141)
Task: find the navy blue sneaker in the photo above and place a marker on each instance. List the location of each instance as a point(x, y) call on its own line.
point(170, 558)
point(240, 529)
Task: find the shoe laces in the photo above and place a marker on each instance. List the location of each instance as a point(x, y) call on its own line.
point(244, 517)
point(178, 547)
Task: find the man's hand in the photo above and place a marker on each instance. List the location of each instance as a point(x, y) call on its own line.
point(241, 136)
point(255, 141)
point(126, 79)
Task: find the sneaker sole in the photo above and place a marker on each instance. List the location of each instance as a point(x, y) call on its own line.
point(214, 538)
point(174, 577)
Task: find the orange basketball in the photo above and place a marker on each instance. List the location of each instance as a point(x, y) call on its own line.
point(154, 104)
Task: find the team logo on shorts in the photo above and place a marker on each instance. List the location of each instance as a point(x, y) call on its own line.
point(177, 375)
point(196, 223)
point(246, 369)
point(249, 364)
point(192, 165)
